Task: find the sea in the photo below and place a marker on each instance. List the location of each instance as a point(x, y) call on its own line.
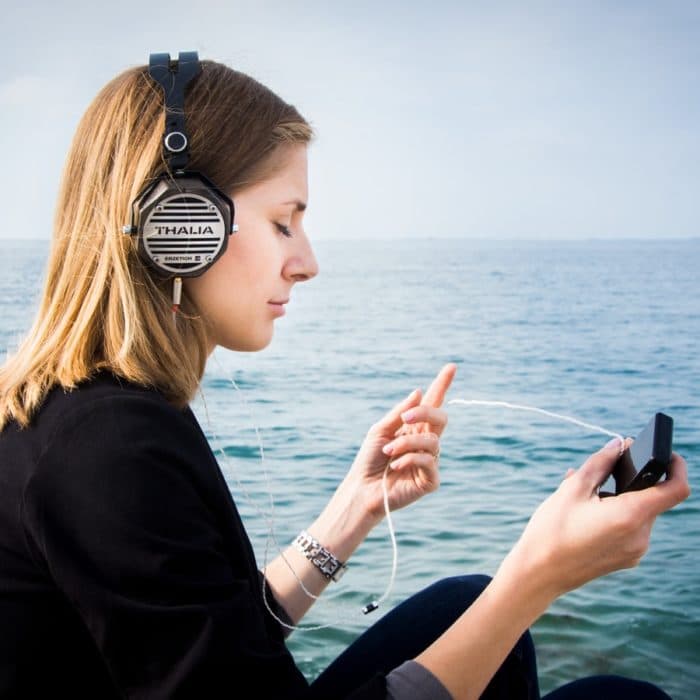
point(605, 331)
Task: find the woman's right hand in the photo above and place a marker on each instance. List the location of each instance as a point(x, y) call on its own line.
point(575, 535)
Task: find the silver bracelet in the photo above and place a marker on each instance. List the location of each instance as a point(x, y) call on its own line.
point(319, 556)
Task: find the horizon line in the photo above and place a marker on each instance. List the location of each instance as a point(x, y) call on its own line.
point(508, 239)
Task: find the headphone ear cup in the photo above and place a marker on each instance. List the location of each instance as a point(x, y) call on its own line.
point(183, 224)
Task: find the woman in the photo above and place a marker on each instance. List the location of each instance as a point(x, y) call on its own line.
point(125, 569)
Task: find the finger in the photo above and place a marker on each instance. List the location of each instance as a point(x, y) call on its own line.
point(437, 390)
point(392, 421)
point(413, 442)
point(425, 464)
point(598, 467)
point(665, 494)
point(436, 418)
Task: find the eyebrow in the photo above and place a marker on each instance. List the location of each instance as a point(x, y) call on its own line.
point(300, 206)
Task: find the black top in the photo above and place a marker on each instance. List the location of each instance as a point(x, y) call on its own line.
point(125, 570)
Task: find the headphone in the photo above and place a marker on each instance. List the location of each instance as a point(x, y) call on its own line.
point(181, 218)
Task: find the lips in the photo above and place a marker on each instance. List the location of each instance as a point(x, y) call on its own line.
point(278, 306)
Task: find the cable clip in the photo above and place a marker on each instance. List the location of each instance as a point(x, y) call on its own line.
point(370, 607)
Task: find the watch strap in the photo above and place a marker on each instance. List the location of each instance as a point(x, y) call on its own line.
point(328, 564)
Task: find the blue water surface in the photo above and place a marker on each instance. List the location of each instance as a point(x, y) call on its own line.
point(603, 330)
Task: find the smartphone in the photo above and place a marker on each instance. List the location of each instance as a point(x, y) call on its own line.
point(647, 459)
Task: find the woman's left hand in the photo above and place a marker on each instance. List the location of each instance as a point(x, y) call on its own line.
point(408, 439)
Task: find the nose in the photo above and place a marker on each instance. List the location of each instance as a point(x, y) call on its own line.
point(301, 264)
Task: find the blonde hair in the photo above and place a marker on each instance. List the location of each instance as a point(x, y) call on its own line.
point(101, 308)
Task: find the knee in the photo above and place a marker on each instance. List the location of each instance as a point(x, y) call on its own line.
point(471, 583)
point(607, 686)
point(438, 605)
point(465, 589)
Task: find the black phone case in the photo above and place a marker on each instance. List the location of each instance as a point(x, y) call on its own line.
point(647, 459)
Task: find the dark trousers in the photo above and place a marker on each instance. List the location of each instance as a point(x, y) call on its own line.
point(414, 624)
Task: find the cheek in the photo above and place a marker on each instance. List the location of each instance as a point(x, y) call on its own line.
point(231, 294)
point(208, 290)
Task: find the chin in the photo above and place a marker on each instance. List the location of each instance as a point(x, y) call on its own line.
point(248, 344)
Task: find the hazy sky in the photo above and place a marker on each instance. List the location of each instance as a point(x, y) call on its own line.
point(433, 119)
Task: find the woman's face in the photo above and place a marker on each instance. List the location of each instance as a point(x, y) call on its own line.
point(245, 290)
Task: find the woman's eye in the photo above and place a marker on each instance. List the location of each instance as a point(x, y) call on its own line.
point(284, 230)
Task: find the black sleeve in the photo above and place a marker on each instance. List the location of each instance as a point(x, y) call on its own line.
point(118, 512)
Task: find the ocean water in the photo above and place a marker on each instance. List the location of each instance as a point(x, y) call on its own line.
point(606, 331)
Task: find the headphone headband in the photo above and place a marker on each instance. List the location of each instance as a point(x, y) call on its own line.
point(174, 77)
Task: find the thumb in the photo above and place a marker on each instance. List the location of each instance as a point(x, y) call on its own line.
point(598, 467)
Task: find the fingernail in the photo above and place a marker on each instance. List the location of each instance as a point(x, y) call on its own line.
point(388, 448)
point(407, 416)
point(615, 442)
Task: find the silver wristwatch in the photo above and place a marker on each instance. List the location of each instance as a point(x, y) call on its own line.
point(319, 556)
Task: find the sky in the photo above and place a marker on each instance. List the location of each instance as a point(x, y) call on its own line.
point(503, 120)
